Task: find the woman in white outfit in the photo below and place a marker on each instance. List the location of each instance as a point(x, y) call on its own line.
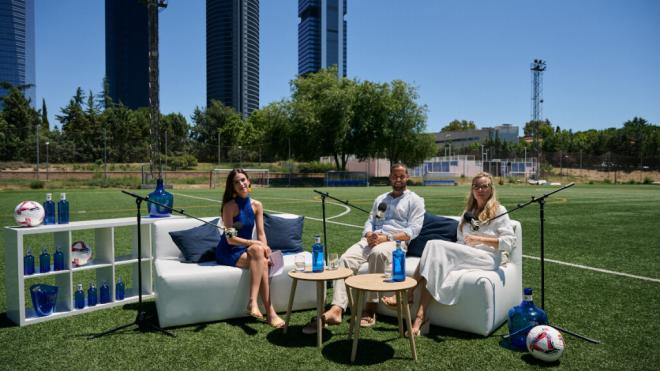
point(481, 245)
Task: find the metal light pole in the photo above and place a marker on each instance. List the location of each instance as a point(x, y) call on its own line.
point(47, 143)
point(37, 137)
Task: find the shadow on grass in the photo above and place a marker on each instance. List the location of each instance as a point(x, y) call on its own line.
point(537, 362)
point(369, 352)
point(5, 321)
point(294, 337)
point(148, 323)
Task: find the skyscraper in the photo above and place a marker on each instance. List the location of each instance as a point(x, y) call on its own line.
point(321, 35)
point(127, 52)
point(232, 54)
point(17, 46)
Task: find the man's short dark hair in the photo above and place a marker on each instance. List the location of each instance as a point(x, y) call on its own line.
point(398, 165)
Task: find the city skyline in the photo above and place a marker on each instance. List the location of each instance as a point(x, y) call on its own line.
point(469, 60)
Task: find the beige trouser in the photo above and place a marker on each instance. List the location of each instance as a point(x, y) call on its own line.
point(378, 257)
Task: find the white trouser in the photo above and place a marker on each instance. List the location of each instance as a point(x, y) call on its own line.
point(378, 257)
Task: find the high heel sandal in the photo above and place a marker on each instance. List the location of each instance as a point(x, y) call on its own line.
point(424, 328)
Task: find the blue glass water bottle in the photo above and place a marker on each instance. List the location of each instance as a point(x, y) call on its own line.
point(63, 210)
point(49, 209)
point(163, 197)
point(522, 318)
point(119, 289)
point(91, 295)
point(398, 263)
point(79, 297)
point(317, 255)
point(58, 259)
point(28, 263)
point(105, 293)
point(44, 261)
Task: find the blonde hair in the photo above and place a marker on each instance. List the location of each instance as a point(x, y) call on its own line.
point(491, 206)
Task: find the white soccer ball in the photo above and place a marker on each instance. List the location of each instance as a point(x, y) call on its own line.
point(545, 343)
point(80, 253)
point(29, 214)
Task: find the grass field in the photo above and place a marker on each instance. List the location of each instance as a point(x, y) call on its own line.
point(614, 228)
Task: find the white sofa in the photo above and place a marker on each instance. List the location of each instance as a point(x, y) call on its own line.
point(189, 293)
point(485, 299)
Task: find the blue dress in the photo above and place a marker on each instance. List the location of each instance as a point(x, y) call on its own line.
point(226, 254)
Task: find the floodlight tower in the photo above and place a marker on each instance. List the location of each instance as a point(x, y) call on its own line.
point(537, 68)
point(153, 7)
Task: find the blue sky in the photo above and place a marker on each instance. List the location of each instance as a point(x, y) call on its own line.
point(469, 59)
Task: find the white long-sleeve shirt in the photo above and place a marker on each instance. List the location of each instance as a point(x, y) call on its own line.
point(404, 214)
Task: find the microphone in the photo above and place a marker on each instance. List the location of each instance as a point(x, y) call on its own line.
point(380, 214)
point(474, 222)
point(233, 231)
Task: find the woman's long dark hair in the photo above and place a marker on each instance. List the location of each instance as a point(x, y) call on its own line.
point(229, 186)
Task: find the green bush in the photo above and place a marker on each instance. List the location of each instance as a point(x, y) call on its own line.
point(36, 184)
point(183, 162)
point(315, 167)
point(647, 180)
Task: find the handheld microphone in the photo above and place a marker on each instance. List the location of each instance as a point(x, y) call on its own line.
point(382, 207)
point(233, 231)
point(474, 223)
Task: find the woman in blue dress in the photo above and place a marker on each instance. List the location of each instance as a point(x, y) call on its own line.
point(241, 212)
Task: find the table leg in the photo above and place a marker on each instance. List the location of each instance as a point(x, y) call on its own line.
point(356, 323)
point(412, 336)
point(292, 294)
point(319, 309)
point(351, 304)
point(399, 310)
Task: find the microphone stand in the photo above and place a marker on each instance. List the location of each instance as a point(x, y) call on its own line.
point(141, 318)
point(541, 202)
point(325, 240)
point(323, 196)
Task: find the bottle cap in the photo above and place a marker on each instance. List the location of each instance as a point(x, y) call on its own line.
point(527, 291)
point(45, 250)
point(80, 286)
point(62, 196)
point(49, 196)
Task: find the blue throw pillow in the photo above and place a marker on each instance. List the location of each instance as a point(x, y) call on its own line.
point(434, 228)
point(198, 244)
point(284, 234)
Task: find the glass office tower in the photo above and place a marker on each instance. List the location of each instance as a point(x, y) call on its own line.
point(127, 52)
point(232, 54)
point(17, 65)
point(321, 35)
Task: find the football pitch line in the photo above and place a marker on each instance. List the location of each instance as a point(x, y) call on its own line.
point(579, 266)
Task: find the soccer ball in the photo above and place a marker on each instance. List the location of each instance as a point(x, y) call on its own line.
point(545, 343)
point(29, 214)
point(80, 253)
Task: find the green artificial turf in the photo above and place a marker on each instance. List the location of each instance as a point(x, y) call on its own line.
point(602, 226)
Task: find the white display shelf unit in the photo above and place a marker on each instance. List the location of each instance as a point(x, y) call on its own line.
point(103, 265)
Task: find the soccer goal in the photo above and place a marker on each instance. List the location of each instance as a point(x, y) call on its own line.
point(346, 179)
point(258, 177)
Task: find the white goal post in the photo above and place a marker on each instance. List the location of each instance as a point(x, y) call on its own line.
point(258, 177)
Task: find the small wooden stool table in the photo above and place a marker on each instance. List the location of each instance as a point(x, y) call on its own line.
point(362, 283)
point(320, 278)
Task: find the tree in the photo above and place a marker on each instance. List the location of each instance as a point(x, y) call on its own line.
point(44, 115)
point(20, 122)
point(272, 128)
point(322, 106)
point(216, 119)
point(401, 137)
point(459, 125)
point(177, 130)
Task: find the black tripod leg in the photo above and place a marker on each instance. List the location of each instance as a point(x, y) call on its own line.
point(576, 335)
point(111, 331)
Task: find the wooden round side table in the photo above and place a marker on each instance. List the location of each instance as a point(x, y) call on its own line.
point(320, 278)
point(376, 282)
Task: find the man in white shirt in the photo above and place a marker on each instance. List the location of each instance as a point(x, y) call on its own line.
point(402, 220)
